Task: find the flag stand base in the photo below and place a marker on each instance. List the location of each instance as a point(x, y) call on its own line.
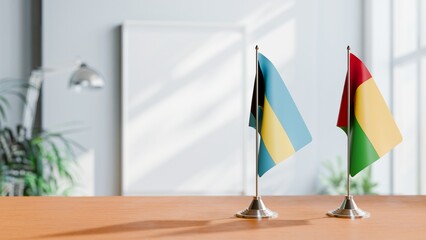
point(257, 209)
point(348, 209)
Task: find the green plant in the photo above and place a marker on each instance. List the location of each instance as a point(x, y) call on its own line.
point(35, 166)
point(334, 181)
point(38, 165)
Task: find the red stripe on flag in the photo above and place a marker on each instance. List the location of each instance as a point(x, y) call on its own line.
point(359, 74)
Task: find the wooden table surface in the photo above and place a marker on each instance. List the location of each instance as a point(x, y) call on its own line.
point(301, 217)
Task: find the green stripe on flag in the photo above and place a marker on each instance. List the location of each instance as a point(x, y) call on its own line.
point(362, 151)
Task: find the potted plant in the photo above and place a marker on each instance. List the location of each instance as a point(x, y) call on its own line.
point(32, 166)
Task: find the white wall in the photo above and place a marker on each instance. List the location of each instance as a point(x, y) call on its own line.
point(15, 47)
point(305, 39)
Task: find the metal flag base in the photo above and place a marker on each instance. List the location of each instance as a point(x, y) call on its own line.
point(257, 209)
point(348, 209)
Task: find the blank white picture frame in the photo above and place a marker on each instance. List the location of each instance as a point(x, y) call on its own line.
point(183, 116)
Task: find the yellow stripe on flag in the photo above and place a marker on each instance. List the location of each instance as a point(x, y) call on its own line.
point(375, 118)
point(274, 136)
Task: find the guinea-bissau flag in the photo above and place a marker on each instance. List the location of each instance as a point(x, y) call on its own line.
point(373, 132)
point(281, 126)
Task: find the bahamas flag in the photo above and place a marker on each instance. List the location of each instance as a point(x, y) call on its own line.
point(281, 126)
point(373, 131)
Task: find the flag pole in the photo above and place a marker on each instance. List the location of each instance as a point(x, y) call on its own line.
point(348, 208)
point(257, 122)
point(348, 193)
point(257, 208)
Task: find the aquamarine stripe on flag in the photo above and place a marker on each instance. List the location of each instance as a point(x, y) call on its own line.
point(265, 160)
point(283, 105)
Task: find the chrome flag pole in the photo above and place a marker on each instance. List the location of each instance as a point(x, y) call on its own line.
point(257, 208)
point(348, 208)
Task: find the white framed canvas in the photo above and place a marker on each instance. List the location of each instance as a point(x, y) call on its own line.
point(183, 115)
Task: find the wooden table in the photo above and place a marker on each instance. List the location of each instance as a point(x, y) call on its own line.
point(302, 217)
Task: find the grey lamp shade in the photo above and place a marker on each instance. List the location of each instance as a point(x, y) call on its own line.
point(87, 78)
